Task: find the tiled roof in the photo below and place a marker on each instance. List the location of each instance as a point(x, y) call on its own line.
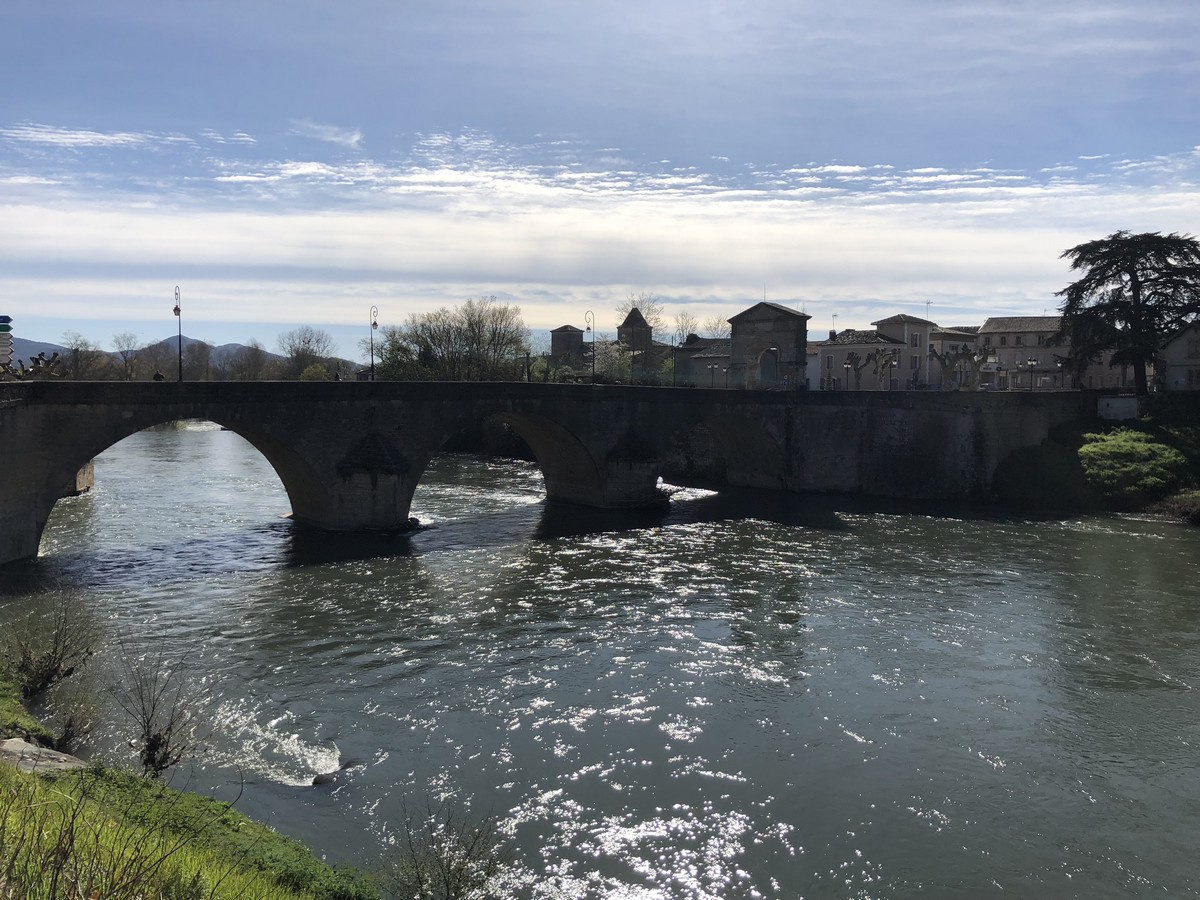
point(776, 307)
point(997, 324)
point(701, 344)
point(853, 336)
point(903, 319)
point(561, 328)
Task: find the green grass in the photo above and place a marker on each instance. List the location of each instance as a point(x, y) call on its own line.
point(105, 833)
point(15, 720)
point(109, 834)
point(61, 837)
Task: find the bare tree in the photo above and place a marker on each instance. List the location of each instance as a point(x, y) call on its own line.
point(715, 327)
point(250, 363)
point(85, 361)
point(127, 345)
point(196, 358)
point(685, 324)
point(302, 347)
point(857, 364)
point(163, 709)
point(650, 306)
point(159, 357)
point(885, 362)
point(446, 856)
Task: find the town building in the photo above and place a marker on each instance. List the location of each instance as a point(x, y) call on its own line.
point(854, 360)
point(1181, 360)
point(1022, 354)
point(567, 347)
point(768, 347)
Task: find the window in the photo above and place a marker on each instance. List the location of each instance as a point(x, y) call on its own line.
point(829, 361)
point(916, 340)
point(987, 340)
point(1041, 340)
point(1003, 340)
point(1193, 348)
point(915, 363)
point(1018, 340)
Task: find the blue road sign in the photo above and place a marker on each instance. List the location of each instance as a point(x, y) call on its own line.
point(4, 320)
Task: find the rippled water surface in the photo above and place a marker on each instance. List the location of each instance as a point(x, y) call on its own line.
point(736, 697)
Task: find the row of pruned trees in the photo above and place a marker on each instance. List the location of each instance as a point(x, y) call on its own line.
point(304, 353)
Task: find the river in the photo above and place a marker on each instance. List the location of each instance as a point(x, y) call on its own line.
point(734, 697)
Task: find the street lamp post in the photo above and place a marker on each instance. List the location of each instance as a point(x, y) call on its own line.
point(590, 320)
point(179, 315)
point(712, 375)
point(374, 325)
point(1032, 362)
point(846, 366)
point(674, 362)
point(726, 378)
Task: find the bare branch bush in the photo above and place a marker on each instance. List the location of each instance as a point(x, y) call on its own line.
point(443, 854)
point(72, 714)
point(160, 702)
point(43, 649)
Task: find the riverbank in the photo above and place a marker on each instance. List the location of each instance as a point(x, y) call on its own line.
point(1150, 466)
point(108, 833)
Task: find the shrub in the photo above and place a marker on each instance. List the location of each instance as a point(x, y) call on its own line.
point(1130, 467)
point(41, 650)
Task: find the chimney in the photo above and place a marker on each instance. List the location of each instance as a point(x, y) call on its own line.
point(832, 334)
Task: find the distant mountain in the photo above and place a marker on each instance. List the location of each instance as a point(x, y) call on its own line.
point(25, 349)
point(217, 355)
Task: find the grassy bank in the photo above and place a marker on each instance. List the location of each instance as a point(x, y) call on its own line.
point(103, 833)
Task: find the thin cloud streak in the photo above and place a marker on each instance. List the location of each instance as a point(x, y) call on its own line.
point(333, 134)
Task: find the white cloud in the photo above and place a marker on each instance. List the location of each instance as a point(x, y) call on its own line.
point(332, 134)
point(310, 240)
point(74, 137)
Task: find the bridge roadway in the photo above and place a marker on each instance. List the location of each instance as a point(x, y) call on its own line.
point(350, 454)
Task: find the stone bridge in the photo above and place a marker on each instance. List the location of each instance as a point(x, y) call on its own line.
point(350, 454)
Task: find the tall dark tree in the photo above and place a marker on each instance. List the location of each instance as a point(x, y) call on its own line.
point(1134, 291)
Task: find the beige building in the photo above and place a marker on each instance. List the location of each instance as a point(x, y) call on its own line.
point(1181, 360)
point(766, 349)
point(1021, 355)
point(893, 357)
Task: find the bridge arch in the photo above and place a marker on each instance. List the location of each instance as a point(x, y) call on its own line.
point(300, 481)
point(568, 467)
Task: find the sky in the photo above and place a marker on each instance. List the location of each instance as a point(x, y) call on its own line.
point(298, 163)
